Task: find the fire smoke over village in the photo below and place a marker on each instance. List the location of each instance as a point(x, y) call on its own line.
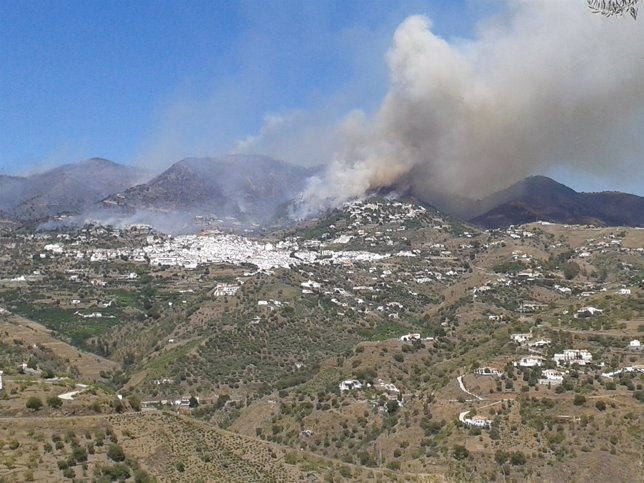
point(544, 84)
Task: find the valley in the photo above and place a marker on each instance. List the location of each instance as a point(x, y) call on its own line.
point(382, 341)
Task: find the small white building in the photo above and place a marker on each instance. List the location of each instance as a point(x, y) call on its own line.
point(551, 376)
point(521, 338)
point(350, 384)
point(624, 291)
point(225, 289)
point(588, 312)
point(539, 344)
point(581, 357)
point(635, 345)
point(489, 371)
point(409, 337)
point(529, 361)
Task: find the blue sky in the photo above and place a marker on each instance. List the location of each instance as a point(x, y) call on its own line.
point(150, 82)
point(96, 78)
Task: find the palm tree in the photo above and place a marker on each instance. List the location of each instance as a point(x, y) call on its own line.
point(611, 8)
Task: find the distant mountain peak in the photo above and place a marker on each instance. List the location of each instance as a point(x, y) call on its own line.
point(100, 162)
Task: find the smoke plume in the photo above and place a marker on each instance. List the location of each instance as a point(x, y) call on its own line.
point(544, 84)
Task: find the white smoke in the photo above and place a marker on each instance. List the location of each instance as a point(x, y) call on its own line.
point(546, 84)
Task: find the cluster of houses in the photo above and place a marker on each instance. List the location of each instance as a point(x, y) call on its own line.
point(390, 390)
point(568, 357)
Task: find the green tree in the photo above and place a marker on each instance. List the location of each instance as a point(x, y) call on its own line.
point(115, 453)
point(460, 452)
point(54, 402)
point(34, 403)
point(135, 402)
point(571, 270)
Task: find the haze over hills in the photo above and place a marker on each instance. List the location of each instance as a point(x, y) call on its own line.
point(66, 189)
point(252, 190)
point(246, 188)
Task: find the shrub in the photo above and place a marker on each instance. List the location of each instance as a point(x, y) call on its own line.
point(69, 473)
point(135, 402)
point(34, 403)
point(115, 453)
point(600, 405)
point(517, 458)
point(54, 402)
point(460, 452)
point(116, 472)
point(579, 400)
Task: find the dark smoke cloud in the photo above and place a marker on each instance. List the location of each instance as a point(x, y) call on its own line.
point(545, 84)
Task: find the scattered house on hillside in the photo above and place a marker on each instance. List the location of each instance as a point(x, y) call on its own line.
point(551, 376)
point(539, 344)
point(489, 371)
point(311, 284)
point(29, 371)
point(529, 275)
point(392, 391)
point(564, 290)
point(529, 361)
point(638, 368)
point(225, 289)
point(479, 422)
point(530, 307)
point(1, 382)
point(581, 357)
point(635, 345)
point(624, 291)
point(521, 338)
point(588, 312)
point(162, 381)
point(410, 337)
point(476, 421)
point(350, 385)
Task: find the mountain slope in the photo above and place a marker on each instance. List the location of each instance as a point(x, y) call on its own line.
point(248, 188)
point(69, 189)
point(541, 198)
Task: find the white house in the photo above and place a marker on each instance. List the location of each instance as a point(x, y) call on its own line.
point(573, 356)
point(224, 289)
point(521, 338)
point(588, 312)
point(561, 289)
point(624, 291)
point(350, 384)
point(529, 361)
point(409, 337)
point(635, 345)
point(551, 376)
point(489, 371)
point(540, 344)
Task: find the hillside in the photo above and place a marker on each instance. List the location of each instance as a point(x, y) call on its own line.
point(69, 189)
point(248, 189)
point(539, 198)
point(384, 340)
